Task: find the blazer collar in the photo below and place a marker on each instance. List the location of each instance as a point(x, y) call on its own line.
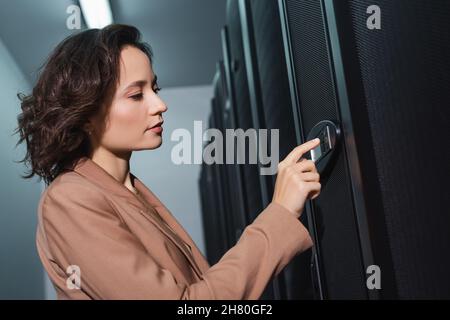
point(99, 176)
point(96, 174)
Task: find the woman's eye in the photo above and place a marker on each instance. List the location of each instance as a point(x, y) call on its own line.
point(137, 96)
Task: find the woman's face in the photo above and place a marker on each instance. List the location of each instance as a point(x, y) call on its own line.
point(133, 109)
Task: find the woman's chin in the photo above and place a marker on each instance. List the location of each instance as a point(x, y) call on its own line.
point(150, 142)
point(155, 143)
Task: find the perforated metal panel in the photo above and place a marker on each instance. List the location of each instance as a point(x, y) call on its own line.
point(335, 216)
point(396, 80)
point(275, 106)
point(405, 74)
point(212, 203)
point(242, 107)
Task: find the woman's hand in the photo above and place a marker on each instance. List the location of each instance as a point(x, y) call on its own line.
point(297, 181)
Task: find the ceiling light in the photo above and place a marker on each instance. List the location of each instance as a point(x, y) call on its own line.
point(97, 13)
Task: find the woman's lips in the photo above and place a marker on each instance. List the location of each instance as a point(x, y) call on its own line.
point(156, 129)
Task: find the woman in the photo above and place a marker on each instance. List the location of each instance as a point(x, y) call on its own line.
point(102, 234)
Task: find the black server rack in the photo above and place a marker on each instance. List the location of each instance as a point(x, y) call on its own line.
point(239, 117)
point(254, 185)
point(225, 173)
point(239, 92)
point(211, 200)
point(236, 206)
point(384, 200)
point(271, 109)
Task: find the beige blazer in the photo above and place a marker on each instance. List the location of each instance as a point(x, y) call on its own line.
point(92, 227)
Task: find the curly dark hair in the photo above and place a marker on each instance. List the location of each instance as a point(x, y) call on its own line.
point(77, 78)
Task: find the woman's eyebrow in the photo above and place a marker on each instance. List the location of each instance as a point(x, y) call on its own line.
point(141, 83)
point(138, 83)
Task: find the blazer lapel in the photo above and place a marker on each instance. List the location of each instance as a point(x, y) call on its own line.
point(177, 234)
point(96, 174)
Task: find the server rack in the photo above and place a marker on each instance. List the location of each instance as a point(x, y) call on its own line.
point(378, 85)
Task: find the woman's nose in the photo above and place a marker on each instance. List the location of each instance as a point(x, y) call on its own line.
point(163, 106)
point(159, 106)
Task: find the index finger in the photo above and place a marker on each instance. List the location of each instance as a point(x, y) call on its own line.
point(300, 150)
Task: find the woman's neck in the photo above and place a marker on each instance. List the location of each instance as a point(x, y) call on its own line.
point(117, 166)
